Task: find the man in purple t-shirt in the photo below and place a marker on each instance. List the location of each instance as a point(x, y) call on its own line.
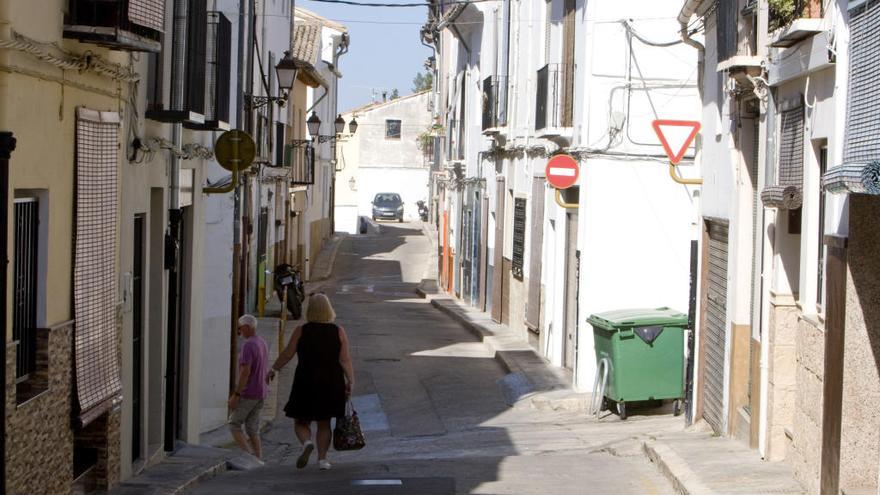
point(246, 402)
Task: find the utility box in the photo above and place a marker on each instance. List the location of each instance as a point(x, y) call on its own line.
point(640, 356)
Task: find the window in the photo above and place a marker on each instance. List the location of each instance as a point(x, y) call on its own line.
point(519, 236)
point(861, 144)
point(820, 262)
point(24, 288)
point(279, 144)
point(392, 129)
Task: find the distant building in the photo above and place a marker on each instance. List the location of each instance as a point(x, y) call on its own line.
point(390, 152)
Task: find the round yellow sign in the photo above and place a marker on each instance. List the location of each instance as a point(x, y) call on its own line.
point(235, 150)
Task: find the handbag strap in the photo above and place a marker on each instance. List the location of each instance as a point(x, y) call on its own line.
point(349, 408)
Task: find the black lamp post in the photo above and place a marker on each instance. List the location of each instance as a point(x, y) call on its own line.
point(286, 70)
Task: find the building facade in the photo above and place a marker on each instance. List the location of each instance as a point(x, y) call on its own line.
point(390, 152)
point(120, 226)
point(519, 82)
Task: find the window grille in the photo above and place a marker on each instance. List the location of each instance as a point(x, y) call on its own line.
point(392, 129)
point(279, 144)
point(24, 298)
point(302, 168)
point(788, 191)
point(519, 237)
point(217, 69)
point(135, 25)
point(94, 280)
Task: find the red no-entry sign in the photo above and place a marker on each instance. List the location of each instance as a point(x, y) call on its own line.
point(562, 171)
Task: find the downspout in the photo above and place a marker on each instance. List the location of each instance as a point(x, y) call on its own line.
point(687, 11)
point(7, 146)
point(763, 318)
point(172, 238)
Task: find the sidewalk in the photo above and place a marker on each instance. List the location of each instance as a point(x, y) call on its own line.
point(531, 380)
point(191, 464)
point(698, 463)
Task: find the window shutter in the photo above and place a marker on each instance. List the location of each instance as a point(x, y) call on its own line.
point(196, 55)
point(788, 191)
point(98, 384)
point(860, 171)
point(862, 142)
point(147, 13)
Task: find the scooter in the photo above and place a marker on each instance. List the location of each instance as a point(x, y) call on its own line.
point(423, 210)
point(288, 279)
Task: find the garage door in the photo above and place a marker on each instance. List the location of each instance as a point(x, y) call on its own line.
point(714, 341)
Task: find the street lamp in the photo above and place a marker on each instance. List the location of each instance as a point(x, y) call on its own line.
point(314, 126)
point(286, 70)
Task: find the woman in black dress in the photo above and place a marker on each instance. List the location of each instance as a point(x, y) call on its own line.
point(324, 377)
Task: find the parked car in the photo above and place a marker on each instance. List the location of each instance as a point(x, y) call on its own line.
point(387, 206)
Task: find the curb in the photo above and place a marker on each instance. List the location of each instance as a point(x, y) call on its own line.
point(508, 353)
point(684, 480)
point(334, 250)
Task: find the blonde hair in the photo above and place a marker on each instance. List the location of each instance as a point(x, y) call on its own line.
point(319, 310)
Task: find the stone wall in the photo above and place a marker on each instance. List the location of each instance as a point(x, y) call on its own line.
point(860, 422)
point(39, 440)
point(806, 443)
point(783, 327)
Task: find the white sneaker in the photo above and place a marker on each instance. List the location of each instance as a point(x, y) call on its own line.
point(323, 465)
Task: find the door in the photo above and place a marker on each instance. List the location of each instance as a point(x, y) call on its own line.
point(262, 250)
point(714, 338)
point(572, 262)
point(476, 218)
point(137, 337)
point(175, 249)
point(497, 258)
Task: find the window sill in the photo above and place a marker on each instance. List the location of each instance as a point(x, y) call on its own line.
point(28, 391)
point(797, 31)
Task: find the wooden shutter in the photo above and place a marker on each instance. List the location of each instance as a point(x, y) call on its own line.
point(98, 384)
point(533, 301)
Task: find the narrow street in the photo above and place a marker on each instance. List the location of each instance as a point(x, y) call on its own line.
point(430, 402)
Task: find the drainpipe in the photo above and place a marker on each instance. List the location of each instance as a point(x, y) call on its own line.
point(687, 11)
point(172, 263)
point(764, 364)
point(7, 146)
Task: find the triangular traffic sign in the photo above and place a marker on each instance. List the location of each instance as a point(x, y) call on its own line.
point(680, 133)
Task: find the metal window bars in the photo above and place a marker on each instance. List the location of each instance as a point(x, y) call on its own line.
point(301, 159)
point(135, 25)
point(495, 92)
point(24, 295)
point(555, 96)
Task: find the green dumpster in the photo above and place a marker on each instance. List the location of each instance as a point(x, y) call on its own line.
point(640, 356)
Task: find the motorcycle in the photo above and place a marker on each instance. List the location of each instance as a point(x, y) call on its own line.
point(423, 210)
point(288, 279)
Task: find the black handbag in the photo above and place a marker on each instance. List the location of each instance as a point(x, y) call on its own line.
point(347, 435)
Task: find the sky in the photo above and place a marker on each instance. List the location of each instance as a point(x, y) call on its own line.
point(385, 51)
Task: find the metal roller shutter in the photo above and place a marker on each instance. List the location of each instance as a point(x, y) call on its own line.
point(862, 144)
point(714, 336)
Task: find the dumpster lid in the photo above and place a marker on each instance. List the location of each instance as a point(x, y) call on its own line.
point(639, 317)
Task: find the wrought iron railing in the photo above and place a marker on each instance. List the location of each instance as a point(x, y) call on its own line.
point(555, 96)
point(301, 159)
point(135, 25)
point(494, 102)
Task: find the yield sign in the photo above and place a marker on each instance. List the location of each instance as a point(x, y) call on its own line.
point(676, 136)
point(562, 171)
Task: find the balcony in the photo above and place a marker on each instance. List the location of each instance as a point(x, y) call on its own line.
point(301, 160)
point(217, 70)
point(132, 25)
point(554, 102)
point(454, 141)
point(494, 104)
point(188, 70)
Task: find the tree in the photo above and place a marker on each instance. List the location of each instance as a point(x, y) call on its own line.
point(395, 94)
point(423, 82)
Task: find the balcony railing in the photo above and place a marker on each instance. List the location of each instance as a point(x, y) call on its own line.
point(134, 25)
point(555, 96)
point(301, 160)
point(454, 141)
point(494, 102)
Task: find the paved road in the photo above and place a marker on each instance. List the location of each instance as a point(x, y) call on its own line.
point(435, 416)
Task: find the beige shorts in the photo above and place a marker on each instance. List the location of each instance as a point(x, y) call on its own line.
point(247, 413)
